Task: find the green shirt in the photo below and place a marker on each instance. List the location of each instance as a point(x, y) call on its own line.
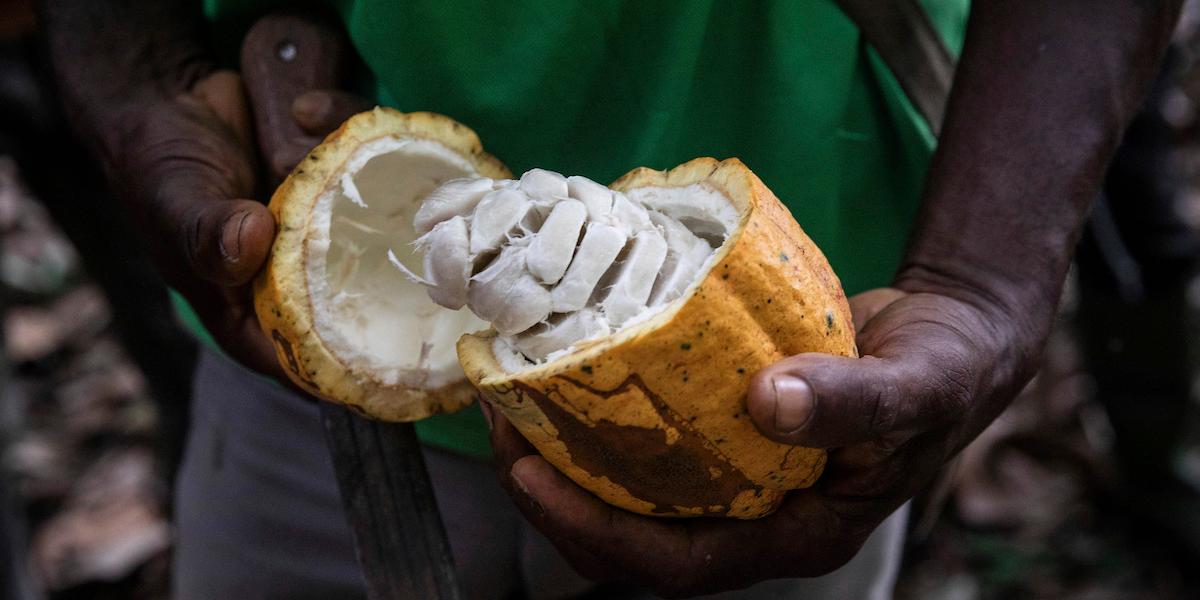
point(597, 88)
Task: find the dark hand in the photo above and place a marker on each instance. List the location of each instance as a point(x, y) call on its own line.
point(192, 162)
point(177, 140)
point(936, 368)
point(1021, 156)
point(186, 167)
point(190, 168)
point(924, 385)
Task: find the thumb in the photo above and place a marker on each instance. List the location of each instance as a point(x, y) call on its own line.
point(225, 241)
point(824, 401)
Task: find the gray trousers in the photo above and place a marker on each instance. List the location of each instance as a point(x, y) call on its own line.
point(259, 516)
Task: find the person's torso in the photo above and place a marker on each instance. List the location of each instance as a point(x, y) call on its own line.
point(598, 88)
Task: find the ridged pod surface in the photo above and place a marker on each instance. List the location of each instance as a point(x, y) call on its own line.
point(282, 292)
point(653, 418)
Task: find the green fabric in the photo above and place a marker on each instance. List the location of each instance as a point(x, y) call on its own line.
point(599, 87)
point(191, 321)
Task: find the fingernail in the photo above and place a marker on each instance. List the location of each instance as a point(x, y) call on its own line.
point(794, 401)
point(312, 105)
point(231, 236)
point(525, 488)
point(486, 409)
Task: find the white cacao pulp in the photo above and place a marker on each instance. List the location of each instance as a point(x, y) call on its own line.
point(551, 261)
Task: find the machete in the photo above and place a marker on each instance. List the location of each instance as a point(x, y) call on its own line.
point(398, 533)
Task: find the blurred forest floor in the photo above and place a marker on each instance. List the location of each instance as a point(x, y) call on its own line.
point(1047, 503)
point(79, 424)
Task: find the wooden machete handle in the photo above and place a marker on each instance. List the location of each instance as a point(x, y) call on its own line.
point(398, 533)
point(283, 56)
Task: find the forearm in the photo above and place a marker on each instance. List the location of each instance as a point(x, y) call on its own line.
point(1043, 93)
point(109, 56)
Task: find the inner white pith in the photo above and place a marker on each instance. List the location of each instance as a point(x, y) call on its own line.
point(551, 261)
point(381, 324)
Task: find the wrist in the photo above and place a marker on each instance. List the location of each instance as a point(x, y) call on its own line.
point(1014, 315)
point(1002, 326)
point(991, 293)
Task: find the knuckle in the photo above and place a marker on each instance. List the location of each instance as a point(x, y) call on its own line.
point(185, 225)
point(884, 398)
point(198, 230)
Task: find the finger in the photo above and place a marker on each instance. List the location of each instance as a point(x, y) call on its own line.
point(866, 305)
point(319, 112)
point(222, 241)
point(586, 563)
point(244, 337)
point(595, 537)
point(222, 91)
point(674, 558)
point(600, 541)
point(508, 445)
point(290, 154)
point(228, 315)
point(824, 401)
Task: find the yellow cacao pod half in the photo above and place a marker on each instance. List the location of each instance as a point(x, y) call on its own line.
point(653, 417)
point(346, 326)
